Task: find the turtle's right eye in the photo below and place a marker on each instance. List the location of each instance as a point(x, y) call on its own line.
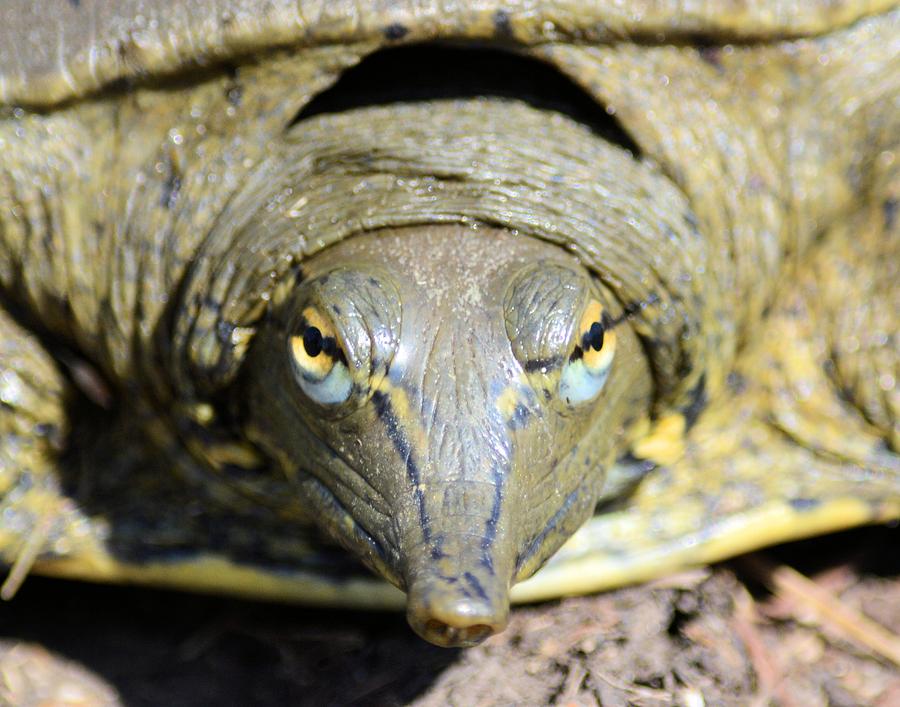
point(589, 364)
point(319, 360)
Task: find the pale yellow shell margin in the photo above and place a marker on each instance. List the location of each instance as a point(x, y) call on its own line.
point(53, 54)
point(579, 567)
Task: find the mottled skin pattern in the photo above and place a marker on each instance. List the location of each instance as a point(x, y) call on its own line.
point(169, 237)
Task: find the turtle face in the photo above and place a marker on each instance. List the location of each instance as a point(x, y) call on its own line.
point(436, 393)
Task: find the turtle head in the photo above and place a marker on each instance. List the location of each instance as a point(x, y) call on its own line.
point(436, 393)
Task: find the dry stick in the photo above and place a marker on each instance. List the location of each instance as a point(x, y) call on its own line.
point(572, 685)
point(27, 555)
point(768, 671)
point(647, 693)
point(788, 583)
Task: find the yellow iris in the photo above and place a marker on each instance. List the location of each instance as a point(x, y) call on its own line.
point(588, 367)
point(315, 348)
point(596, 338)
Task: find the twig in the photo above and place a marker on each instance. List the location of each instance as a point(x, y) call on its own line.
point(646, 693)
point(828, 609)
point(27, 555)
point(771, 678)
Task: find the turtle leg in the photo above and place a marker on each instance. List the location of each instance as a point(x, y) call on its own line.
point(36, 518)
point(805, 442)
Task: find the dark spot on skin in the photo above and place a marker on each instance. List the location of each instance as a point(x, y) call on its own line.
point(336, 309)
point(697, 402)
point(712, 56)
point(47, 239)
point(46, 429)
point(224, 331)
point(437, 553)
point(395, 31)
point(736, 383)
point(502, 24)
point(804, 504)
point(235, 94)
point(299, 275)
point(210, 303)
point(171, 189)
point(685, 364)
point(374, 282)
point(692, 223)
point(536, 364)
point(75, 3)
point(385, 412)
point(889, 208)
point(519, 418)
point(476, 585)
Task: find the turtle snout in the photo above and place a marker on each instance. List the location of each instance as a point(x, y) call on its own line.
point(457, 611)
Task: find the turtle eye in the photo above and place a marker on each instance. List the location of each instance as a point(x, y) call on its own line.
point(319, 360)
point(585, 373)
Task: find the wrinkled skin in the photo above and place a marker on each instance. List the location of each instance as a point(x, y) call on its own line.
point(455, 467)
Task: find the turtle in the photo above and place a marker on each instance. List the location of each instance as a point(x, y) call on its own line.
point(443, 305)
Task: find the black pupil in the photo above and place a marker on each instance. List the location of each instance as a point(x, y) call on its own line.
point(312, 341)
point(595, 336)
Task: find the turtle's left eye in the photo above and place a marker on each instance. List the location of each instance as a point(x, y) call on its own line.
point(319, 360)
point(587, 369)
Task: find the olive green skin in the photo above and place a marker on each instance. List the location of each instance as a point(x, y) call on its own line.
point(159, 242)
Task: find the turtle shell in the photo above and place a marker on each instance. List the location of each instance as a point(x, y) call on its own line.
point(752, 114)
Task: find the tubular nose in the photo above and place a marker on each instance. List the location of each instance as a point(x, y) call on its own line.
point(450, 612)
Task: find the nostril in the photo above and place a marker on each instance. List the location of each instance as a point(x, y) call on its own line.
point(460, 636)
point(456, 599)
point(439, 615)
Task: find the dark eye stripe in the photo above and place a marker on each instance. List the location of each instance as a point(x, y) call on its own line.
point(536, 364)
point(313, 341)
point(593, 337)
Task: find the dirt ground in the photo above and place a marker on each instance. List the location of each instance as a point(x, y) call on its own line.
point(707, 637)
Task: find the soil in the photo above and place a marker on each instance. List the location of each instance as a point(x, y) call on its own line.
point(705, 637)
